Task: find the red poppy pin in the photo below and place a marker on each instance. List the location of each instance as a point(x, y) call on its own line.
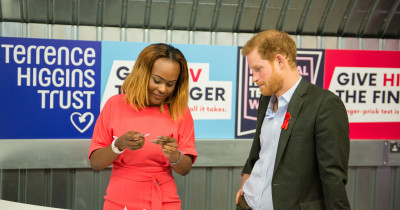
point(286, 121)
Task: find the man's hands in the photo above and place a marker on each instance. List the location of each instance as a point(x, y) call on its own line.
point(131, 140)
point(240, 192)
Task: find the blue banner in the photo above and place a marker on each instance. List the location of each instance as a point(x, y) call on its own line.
point(212, 82)
point(49, 89)
point(55, 89)
point(310, 66)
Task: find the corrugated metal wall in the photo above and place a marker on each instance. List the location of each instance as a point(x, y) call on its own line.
point(204, 188)
point(212, 183)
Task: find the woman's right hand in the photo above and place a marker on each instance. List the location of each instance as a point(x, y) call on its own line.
point(131, 140)
point(103, 157)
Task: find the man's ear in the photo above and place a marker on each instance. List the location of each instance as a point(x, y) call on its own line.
point(282, 62)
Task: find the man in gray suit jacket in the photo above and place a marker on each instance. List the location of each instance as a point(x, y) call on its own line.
point(300, 151)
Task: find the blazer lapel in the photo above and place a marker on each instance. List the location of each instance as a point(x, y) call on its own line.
point(294, 107)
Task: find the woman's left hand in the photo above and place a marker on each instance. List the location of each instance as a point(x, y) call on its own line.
point(169, 147)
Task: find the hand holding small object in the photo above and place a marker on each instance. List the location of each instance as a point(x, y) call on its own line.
point(131, 140)
point(169, 147)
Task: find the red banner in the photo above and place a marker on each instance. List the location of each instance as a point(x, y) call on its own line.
point(368, 82)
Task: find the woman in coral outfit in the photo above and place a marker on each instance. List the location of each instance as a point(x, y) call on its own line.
point(145, 132)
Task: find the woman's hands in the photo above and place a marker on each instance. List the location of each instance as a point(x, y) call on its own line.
point(169, 147)
point(131, 140)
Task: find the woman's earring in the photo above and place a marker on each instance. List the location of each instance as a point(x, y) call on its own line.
point(168, 99)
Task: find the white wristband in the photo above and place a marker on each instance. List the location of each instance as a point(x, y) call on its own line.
point(115, 149)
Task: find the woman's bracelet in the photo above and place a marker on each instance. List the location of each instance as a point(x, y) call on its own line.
point(180, 158)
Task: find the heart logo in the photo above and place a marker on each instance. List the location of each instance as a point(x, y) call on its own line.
point(82, 121)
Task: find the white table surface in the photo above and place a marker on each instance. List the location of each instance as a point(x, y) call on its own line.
point(10, 205)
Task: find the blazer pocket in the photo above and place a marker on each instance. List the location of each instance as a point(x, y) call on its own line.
point(312, 205)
